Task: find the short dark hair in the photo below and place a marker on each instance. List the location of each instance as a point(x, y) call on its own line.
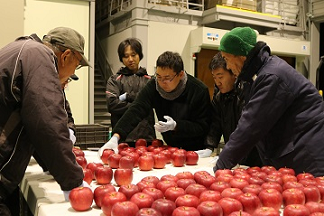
point(134, 44)
point(218, 62)
point(170, 60)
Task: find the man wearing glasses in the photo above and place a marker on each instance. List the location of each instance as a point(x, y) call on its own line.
point(33, 116)
point(181, 103)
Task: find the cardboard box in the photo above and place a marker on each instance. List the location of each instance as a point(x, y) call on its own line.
point(247, 4)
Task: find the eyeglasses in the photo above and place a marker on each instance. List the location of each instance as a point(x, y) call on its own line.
point(79, 65)
point(165, 79)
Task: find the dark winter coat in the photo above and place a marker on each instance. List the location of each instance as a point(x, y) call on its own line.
point(30, 87)
point(284, 117)
point(118, 84)
point(191, 111)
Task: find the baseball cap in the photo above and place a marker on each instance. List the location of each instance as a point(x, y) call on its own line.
point(68, 38)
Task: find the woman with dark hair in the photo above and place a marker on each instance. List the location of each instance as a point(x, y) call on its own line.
point(123, 87)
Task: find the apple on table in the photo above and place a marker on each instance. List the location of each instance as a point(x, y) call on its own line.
point(81, 198)
point(124, 208)
point(210, 208)
point(129, 190)
point(101, 191)
point(164, 206)
point(142, 200)
point(103, 175)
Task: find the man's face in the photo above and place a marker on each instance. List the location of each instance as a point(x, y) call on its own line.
point(223, 79)
point(167, 78)
point(234, 63)
point(68, 61)
point(131, 59)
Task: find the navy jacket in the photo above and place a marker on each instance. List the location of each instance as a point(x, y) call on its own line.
point(283, 117)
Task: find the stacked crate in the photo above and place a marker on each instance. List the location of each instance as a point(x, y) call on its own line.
point(91, 135)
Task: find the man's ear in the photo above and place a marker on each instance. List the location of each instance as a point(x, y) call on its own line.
point(65, 56)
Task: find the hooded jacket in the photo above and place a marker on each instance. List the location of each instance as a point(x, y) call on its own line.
point(120, 83)
point(191, 112)
point(283, 117)
point(32, 106)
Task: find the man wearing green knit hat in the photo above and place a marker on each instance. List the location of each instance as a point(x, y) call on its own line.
point(283, 116)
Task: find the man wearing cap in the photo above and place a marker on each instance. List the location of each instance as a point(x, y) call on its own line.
point(33, 117)
point(283, 116)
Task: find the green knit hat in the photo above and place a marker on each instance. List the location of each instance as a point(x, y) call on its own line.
point(239, 41)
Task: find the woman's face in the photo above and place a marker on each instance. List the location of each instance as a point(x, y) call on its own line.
point(131, 59)
point(234, 63)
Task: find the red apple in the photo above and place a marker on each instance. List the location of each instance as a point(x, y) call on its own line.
point(261, 175)
point(184, 183)
point(312, 193)
point(185, 211)
point(93, 166)
point(101, 191)
point(121, 146)
point(204, 179)
point(103, 175)
point(148, 212)
point(105, 155)
point(129, 190)
point(172, 193)
point(219, 186)
point(142, 200)
point(160, 161)
point(274, 178)
point(273, 185)
point(239, 170)
point(126, 162)
point(295, 210)
point(221, 172)
point(207, 208)
point(81, 198)
point(164, 206)
point(167, 154)
point(113, 160)
point(315, 207)
point(266, 211)
point(306, 182)
point(123, 176)
point(210, 195)
point(252, 188)
point(169, 177)
point(153, 179)
point(185, 175)
point(287, 177)
point(268, 169)
point(293, 196)
point(239, 213)
point(230, 205)
point(82, 161)
point(110, 199)
point(192, 158)
point(154, 192)
point(124, 208)
point(165, 184)
point(231, 192)
point(187, 200)
point(157, 143)
point(145, 184)
point(285, 170)
point(250, 202)
point(254, 169)
point(238, 183)
point(145, 162)
point(292, 184)
point(77, 152)
point(195, 189)
point(136, 156)
point(271, 198)
point(178, 158)
point(87, 175)
point(140, 142)
point(225, 178)
point(256, 180)
point(304, 176)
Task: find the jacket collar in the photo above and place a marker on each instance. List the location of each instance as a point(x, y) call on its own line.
point(125, 71)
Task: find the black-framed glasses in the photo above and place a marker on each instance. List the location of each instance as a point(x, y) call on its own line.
point(164, 79)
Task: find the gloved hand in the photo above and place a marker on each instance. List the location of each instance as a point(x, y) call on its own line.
point(161, 126)
point(123, 96)
point(111, 144)
point(204, 153)
point(72, 136)
point(67, 193)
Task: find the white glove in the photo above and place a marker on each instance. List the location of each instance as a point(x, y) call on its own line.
point(111, 144)
point(72, 136)
point(123, 96)
point(161, 126)
point(67, 193)
point(204, 153)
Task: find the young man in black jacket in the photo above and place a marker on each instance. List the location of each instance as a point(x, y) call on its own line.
point(177, 97)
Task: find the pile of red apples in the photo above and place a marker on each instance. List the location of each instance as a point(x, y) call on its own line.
point(254, 191)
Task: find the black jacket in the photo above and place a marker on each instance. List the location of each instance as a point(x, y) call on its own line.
point(29, 85)
point(191, 111)
point(118, 84)
point(283, 117)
